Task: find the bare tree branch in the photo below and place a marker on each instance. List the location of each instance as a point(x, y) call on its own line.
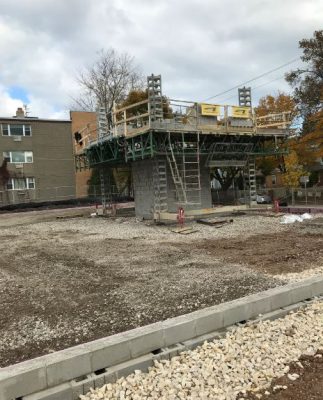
point(109, 80)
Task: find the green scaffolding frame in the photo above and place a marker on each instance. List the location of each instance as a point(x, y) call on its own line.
point(123, 150)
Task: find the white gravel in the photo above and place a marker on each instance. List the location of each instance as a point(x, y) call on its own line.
point(129, 228)
point(247, 359)
point(33, 329)
point(299, 276)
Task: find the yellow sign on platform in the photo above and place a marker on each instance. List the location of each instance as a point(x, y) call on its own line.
point(210, 109)
point(241, 112)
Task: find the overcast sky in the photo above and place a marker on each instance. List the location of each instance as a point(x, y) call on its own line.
point(200, 47)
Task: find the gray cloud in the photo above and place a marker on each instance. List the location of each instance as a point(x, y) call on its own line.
point(200, 48)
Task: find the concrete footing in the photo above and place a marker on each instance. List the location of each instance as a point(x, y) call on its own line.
point(66, 374)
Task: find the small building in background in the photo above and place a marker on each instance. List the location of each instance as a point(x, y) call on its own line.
point(274, 180)
point(83, 131)
point(36, 159)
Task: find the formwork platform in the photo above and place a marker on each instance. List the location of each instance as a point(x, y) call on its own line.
point(173, 144)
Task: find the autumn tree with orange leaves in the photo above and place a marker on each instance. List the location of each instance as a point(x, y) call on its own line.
point(272, 105)
point(293, 170)
point(309, 147)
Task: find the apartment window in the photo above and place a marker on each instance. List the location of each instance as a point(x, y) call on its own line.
point(21, 183)
point(29, 156)
point(27, 130)
point(5, 129)
point(6, 156)
point(18, 157)
point(31, 183)
point(16, 130)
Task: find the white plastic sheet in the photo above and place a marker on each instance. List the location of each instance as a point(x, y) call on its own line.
point(292, 218)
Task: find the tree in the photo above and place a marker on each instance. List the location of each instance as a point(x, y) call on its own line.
point(267, 105)
point(122, 179)
point(308, 81)
point(135, 96)
point(271, 104)
point(293, 170)
point(308, 94)
point(267, 164)
point(309, 147)
point(109, 80)
point(225, 176)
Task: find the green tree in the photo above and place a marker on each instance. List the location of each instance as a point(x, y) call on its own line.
point(308, 95)
point(308, 81)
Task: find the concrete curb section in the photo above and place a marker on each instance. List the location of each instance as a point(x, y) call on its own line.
point(68, 373)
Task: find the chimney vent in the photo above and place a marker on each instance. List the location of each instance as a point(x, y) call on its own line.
point(20, 113)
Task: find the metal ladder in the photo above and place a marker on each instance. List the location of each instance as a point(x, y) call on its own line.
point(251, 165)
point(186, 172)
point(160, 186)
point(103, 191)
point(102, 131)
point(191, 171)
point(175, 172)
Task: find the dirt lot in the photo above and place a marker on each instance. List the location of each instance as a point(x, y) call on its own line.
point(68, 281)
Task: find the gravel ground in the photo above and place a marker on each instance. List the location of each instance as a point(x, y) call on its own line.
point(69, 281)
point(245, 361)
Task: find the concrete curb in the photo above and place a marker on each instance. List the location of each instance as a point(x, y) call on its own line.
point(66, 374)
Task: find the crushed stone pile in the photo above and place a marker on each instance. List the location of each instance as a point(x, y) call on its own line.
point(246, 359)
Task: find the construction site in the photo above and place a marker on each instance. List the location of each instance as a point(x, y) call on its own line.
point(176, 299)
point(171, 145)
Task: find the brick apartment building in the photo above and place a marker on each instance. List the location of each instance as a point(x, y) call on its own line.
point(83, 130)
point(38, 155)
